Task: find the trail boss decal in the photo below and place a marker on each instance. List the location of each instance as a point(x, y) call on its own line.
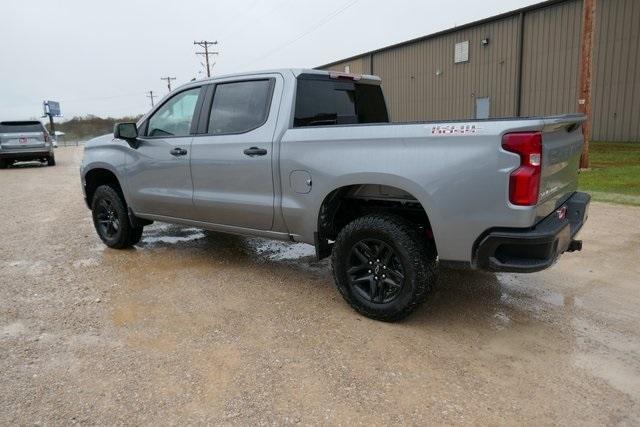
point(455, 130)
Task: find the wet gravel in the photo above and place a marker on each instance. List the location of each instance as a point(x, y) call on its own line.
point(199, 327)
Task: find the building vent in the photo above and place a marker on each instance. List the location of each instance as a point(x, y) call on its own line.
point(462, 52)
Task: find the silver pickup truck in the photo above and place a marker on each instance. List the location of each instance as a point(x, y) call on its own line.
point(311, 156)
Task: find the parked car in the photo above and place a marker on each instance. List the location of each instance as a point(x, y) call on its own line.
point(25, 141)
point(310, 156)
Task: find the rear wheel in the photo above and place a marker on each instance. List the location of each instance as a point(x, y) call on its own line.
point(383, 267)
point(111, 220)
point(4, 163)
point(51, 160)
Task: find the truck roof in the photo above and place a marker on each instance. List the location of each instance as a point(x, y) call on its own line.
point(296, 73)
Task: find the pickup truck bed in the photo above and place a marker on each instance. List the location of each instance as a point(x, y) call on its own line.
point(461, 180)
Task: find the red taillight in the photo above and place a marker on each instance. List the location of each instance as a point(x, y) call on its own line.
point(524, 182)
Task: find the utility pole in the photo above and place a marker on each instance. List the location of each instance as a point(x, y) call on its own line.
point(586, 75)
point(168, 79)
point(205, 45)
point(51, 109)
point(150, 95)
point(52, 129)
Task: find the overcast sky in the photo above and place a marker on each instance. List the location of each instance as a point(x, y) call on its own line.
point(101, 57)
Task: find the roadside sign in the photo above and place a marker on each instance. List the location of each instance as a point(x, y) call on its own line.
point(52, 108)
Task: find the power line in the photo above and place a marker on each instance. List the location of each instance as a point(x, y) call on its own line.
point(319, 24)
point(151, 96)
point(241, 25)
point(126, 95)
point(237, 16)
point(205, 45)
point(168, 79)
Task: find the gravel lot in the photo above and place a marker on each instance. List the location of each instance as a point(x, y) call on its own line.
point(200, 327)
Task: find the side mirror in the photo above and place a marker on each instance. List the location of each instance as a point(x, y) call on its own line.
point(126, 131)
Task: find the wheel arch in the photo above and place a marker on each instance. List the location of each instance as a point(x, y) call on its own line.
point(394, 192)
point(97, 176)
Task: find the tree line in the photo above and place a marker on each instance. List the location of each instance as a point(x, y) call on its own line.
point(89, 126)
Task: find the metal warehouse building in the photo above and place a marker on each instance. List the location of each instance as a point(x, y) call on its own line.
point(555, 57)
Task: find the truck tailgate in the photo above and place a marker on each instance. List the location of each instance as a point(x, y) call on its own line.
point(562, 142)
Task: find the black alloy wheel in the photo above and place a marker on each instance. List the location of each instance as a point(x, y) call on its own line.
point(108, 220)
point(375, 271)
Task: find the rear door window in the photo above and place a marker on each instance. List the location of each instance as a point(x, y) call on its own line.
point(324, 102)
point(21, 127)
point(240, 107)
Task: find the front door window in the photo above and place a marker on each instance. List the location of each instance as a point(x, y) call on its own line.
point(175, 116)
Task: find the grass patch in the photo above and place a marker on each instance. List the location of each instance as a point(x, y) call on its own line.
point(614, 174)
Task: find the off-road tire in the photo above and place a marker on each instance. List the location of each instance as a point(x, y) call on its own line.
point(108, 198)
point(415, 253)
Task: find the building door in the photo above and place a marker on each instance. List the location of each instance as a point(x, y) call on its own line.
point(483, 106)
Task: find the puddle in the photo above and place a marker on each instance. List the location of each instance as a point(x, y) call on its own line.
point(519, 289)
point(173, 239)
point(196, 242)
point(254, 247)
point(170, 234)
point(281, 251)
point(510, 297)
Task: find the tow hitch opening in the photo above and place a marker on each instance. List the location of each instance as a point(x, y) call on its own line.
point(575, 245)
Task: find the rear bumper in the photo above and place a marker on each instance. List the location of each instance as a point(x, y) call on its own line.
point(26, 154)
point(537, 248)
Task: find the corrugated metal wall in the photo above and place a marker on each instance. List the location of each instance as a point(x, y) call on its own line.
point(422, 82)
point(616, 68)
point(360, 65)
point(551, 60)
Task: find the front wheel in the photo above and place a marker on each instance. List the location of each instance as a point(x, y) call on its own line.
point(111, 220)
point(383, 267)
